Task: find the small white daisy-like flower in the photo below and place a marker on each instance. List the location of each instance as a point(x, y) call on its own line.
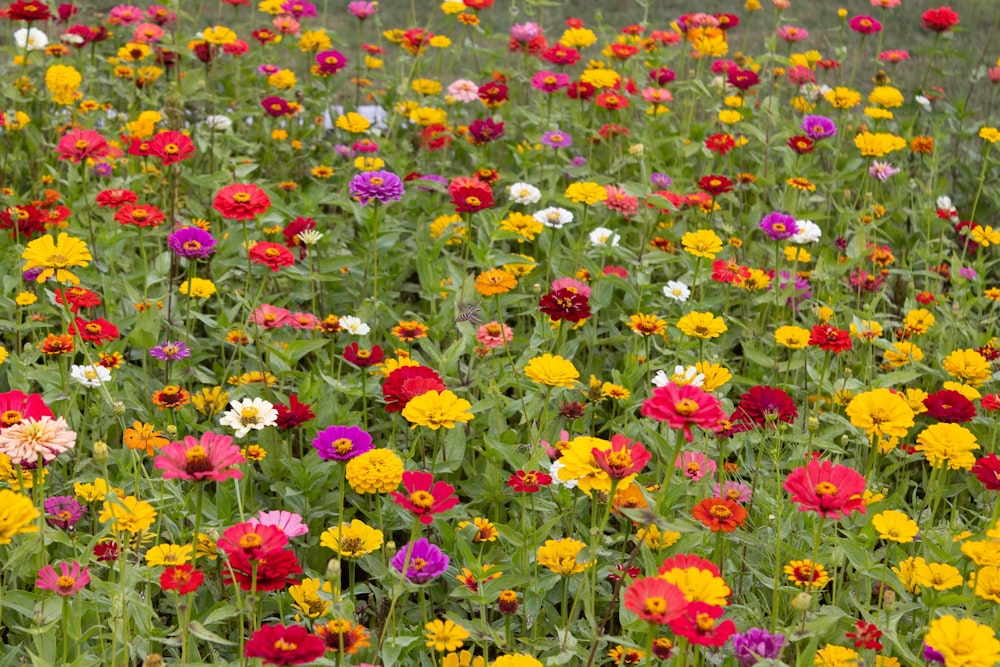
point(687, 375)
point(90, 375)
point(677, 291)
point(354, 325)
point(554, 217)
point(309, 237)
point(809, 232)
point(218, 123)
point(602, 236)
point(250, 414)
point(661, 379)
point(524, 193)
point(554, 469)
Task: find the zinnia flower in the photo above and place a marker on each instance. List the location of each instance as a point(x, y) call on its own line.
point(683, 406)
point(881, 413)
point(241, 201)
point(942, 444)
point(341, 443)
point(30, 439)
point(422, 561)
point(826, 488)
point(52, 257)
point(435, 409)
point(560, 556)
point(17, 515)
point(763, 407)
point(382, 186)
point(697, 623)
point(277, 644)
point(552, 370)
point(78, 145)
point(426, 497)
point(352, 540)
point(211, 457)
point(963, 642)
point(375, 471)
point(720, 514)
point(249, 414)
point(70, 579)
point(655, 600)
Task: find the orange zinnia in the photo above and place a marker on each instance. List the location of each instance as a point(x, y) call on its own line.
point(495, 281)
point(720, 514)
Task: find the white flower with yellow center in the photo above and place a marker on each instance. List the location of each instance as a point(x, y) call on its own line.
point(250, 414)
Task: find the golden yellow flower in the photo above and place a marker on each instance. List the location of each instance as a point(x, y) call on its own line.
point(560, 556)
point(963, 642)
point(948, 444)
point(436, 409)
point(552, 370)
point(219, 35)
point(895, 526)
point(169, 554)
point(702, 325)
point(990, 134)
point(129, 514)
point(886, 96)
point(55, 257)
point(832, 655)
point(587, 193)
point(445, 635)
point(702, 243)
point(307, 599)
point(17, 515)
point(353, 122)
point(880, 412)
point(842, 97)
point(794, 338)
point(969, 366)
point(375, 471)
point(715, 375)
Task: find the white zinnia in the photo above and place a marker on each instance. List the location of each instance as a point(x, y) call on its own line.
point(90, 376)
point(688, 375)
point(218, 123)
point(809, 232)
point(31, 39)
point(661, 379)
point(524, 193)
point(602, 236)
point(554, 217)
point(249, 414)
point(677, 291)
point(354, 325)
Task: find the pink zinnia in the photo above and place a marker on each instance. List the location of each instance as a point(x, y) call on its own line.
point(289, 522)
point(826, 488)
point(562, 283)
point(493, 334)
point(69, 580)
point(125, 15)
point(303, 321)
point(78, 145)
point(621, 201)
point(30, 438)
point(684, 406)
point(790, 33)
point(464, 91)
point(656, 95)
point(623, 459)
point(865, 25)
point(210, 458)
point(549, 81)
point(426, 497)
point(695, 465)
point(271, 317)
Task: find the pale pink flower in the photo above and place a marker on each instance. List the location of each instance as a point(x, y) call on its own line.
point(695, 465)
point(791, 33)
point(887, 4)
point(800, 75)
point(303, 321)
point(286, 25)
point(489, 335)
point(657, 95)
point(271, 317)
point(289, 522)
point(25, 441)
point(464, 91)
point(621, 201)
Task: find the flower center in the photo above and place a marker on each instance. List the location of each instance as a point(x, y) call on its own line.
point(171, 149)
point(250, 541)
point(472, 201)
point(655, 605)
point(363, 354)
point(82, 144)
point(343, 446)
point(620, 459)
point(10, 417)
point(422, 499)
point(241, 197)
point(282, 645)
point(556, 138)
point(418, 564)
point(720, 512)
point(192, 245)
point(685, 407)
point(352, 545)
point(493, 329)
point(704, 622)
point(66, 584)
point(530, 478)
point(377, 181)
point(825, 489)
point(249, 415)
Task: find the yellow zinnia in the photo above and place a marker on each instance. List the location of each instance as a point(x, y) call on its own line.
point(129, 514)
point(963, 642)
point(895, 526)
point(702, 243)
point(968, 365)
point(560, 556)
point(552, 370)
point(881, 412)
point(219, 34)
point(169, 554)
point(586, 193)
point(17, 515)
point(949, 444)
point(436, 409)
point(702, 325)
point(794, 338)
point(375, 471)
point(352, 540)
point(54, 257)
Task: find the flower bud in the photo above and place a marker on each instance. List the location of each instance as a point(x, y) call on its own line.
point(101, 452)
point(802, 602)
point(507, 603)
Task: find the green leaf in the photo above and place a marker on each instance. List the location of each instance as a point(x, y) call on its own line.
point(201, 632)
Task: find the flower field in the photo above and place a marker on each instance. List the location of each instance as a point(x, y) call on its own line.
point(483, 338)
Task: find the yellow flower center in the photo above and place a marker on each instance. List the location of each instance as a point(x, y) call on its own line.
point(192, 245)
point(249, 415)
point(171, 149)
point(250, 541)
point(81, 144)
point(272, 252)
point(352, 545)
point(66, 583)
point(720, 512)
point(377, 181)
point(241, 197)
point(10, 417)
point(418, 564)
point(655, 605)
point(620, 459)
point(704, 622)
point(825, 489)
point(685, 407)
point(422, 499)
point(342, 446)
point(472, 201)
point(282, 645)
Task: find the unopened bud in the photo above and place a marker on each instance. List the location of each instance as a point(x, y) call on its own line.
point(101, 452)
point(802, 601)
point(333, 569)
point(172, 430)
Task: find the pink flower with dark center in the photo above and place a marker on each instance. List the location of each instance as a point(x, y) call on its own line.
point(212, 458)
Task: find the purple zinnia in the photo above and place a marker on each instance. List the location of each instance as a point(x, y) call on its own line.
point(299, 8)
point(578, 161)
point(63, 511)
point(191, 242)
point(103, 169)
point(802, 288)
point(331, 61)
point(171, 351)
point(343, 151)
point(779, 226)
point(384, 186)
point(341, 443)
point(967, 272)
point(818, 127)
point(660, 180)
point(933, 655)
point(423, 561)
point(557, 139)
point(757, 644)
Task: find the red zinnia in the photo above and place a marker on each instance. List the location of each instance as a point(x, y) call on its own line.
point(986, 470)
point(274, 572)
point(826, 488)
point(213, 457)
point(698, 625)
point(293, 229)
point(253, 541)
point(623, 459)
point(16, 406)
point(867, 636)
point(77, 298)
point(612, 101)
point(565, 304)
point(406, 383)
point(715, 185)
point(801, 144)
point(241, 201)
point(96, 331)
point(688, 561)
point(730, 271)
point(682, 406)
point(139, 215)
point(116, 198)
point(561, 55)
point(830, 338)
point(720, 143)
point(171, 147)
point(763, 406)
point(285, 645)
point(493, 94)
point(470, 195)
point(655, 600)
point(294, 414)
point(28, 10)
point(948, 405)
point(272, 255)
point(528, 482)
point(427, 497)
point(720, 514)
point(359, 356)
point(941, 19)
point(742, 78)
point(78, 145)
point(182, 578)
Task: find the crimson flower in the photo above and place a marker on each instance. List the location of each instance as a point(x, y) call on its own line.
point(139, 215)
point(528, 482)
point(867, 636)
point(241, 201)
point(16, 406)
point(171, 146)
point(743, 79)
point(294, 414)
point(293, 229)
point(252, 541)
point(684, 406)
point(485, 131)
point(273, 573)
point(688, 561)
point(942, 19)
point(565, 304)
point(720, 143)
point(715, 185)
point(826, 488)
point(698, 625)
point(96, 331)
point(763, 406)
point(213, 457)
point(801, 144)
point(79, 145)
point(427, 497)
point(278, 644)
point(363, 358)
point(987, 471)
point(990, 402)
point(655, 600)
point(949, 406)
point(830, 338)
point(271, 255)
point(77, 298)
point(182, 578)
point(28, 10)
point(115, 198)
point(470, 195)
point(623, 459)
point(406, 383)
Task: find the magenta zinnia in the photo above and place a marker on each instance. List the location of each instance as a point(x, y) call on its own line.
point(682, 406)
point(212, 457)
point(826, 488)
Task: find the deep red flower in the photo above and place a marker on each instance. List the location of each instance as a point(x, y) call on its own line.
point(570, 410)
point(137, 147)
point(77, 298)
point(565, 304)
point(528, 482)
point(241, 201)
point(28, 10)
point(720, 143)
point(271, 255)
point(79, 145)
point(623, 459)
point(493, 93)
point(16, 406)
point(801, 144)
point(987, 471)
point(698, 625)
point(470, 195)
point(139, 215)
point(684, 406)
point(292, 231)
point(273, 573)
point(106, 551)
point(744, 79)
point(406, 383)
point(715, 185)
point(26, 221)
point(826, 488)
point(362, 357)
point(183, 578)
point(294, 414)
point(265, 36)
point(580, 90)
point(278, 644)
point(924, 298)
point(426, 497)
point(116, 198)
point(561, 55)
point(867, 636)
point(276, 107)
point(612, 101)
point(763, 407)
point(253, 541)
point(950, 406)
point(484, 131)
point(720, 514)
point(830, 338)
point(96, 331)
point(941, 19)
point(727, 21)
point(171, 146)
